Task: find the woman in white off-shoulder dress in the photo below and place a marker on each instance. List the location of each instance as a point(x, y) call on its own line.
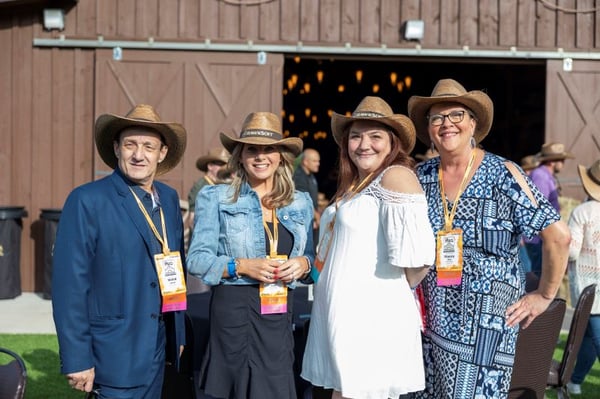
point(364, 338)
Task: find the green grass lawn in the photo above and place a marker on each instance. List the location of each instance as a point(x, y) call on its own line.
point(40, 352)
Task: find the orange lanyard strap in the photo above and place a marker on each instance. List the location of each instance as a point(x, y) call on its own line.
point(449, 216)
point(273, 237)
point(163, 241)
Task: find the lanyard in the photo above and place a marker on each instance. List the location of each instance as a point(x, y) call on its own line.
point(449, 216)
point(163, 241)
point(209, 180)
point(273, 237)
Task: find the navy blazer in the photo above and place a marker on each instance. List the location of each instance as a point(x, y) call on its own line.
point(105, 293)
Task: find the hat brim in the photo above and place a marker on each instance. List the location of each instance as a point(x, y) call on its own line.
point(294, 144)
point(591, 188)
point(108, 126)
point(555, 157)
point(398, 123)
point(476, 100)
point(202, 162)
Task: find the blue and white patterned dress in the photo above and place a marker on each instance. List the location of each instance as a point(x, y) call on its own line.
point(468, 348)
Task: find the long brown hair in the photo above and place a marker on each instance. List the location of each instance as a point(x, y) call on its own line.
point(348, 172)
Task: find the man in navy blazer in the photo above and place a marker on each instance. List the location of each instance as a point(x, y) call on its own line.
point(118, 282)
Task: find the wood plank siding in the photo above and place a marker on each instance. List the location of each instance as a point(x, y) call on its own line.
point(50, 97)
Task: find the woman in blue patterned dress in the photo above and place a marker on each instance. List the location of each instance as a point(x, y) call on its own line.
point(479, 205)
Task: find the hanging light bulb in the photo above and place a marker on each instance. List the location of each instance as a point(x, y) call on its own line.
point(400, 86)
point(329, 112)
point(407, 81)
point(290, 84)
point(341, 88)
point(294, 79)
point(359, 75)
point(282, 113)
point(307, 112)
point(319, 76)
point(291, 118)
point(375, 88)
point(286, 133)
point(307, 87)
point(285, 92)
point(393, 78)
point(297, 59)
point(314, 119)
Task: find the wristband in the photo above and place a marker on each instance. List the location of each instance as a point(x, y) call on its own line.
point(232, 269)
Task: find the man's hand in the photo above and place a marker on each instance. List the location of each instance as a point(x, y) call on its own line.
point(82, 380)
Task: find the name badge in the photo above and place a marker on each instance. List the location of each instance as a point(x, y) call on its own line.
point(172, 281)
point(273, 296)
point(449, 257)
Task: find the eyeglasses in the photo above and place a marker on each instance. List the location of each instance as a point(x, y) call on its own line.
point(454, 117)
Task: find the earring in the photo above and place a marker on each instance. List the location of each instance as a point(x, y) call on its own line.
point(432, 147)
point(473, 142)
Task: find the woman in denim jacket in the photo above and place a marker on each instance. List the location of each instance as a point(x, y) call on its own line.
point(252, 241)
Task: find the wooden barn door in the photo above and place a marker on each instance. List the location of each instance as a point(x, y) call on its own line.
point(573, 117)
point(207, 92)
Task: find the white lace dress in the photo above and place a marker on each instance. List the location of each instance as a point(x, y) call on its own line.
point(364, 336)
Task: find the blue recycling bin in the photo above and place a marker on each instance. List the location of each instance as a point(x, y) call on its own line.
point(11, 227)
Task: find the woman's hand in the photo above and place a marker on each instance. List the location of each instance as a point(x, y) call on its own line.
point(260, 269)
point(527, 308)
point(293, 269)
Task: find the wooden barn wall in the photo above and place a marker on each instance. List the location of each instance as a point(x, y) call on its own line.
point(47, 95)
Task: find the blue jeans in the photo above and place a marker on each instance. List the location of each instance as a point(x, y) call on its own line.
point(589, 351)
point(535, 256)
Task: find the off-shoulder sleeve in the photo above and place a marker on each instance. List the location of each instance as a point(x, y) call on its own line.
point(409, 236)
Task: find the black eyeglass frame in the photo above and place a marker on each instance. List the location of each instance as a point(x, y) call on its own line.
point(454, 117)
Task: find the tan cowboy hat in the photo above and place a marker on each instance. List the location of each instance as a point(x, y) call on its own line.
point(262, 128)
point(376, 109)
point(428, 155)
point(214, 155)
point(590, 178)
point(450, 91)
point(108, 127)
point(553, 152)
point(529, 162)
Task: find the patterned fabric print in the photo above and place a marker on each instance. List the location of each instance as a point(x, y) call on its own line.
point(468, 349)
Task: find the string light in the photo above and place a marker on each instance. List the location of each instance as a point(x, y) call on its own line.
point(319, 76)
point(359, 76)
point(341, 88)
point(307, 112)
point(407, 82)
point(375, 88)
point(314, 119)
point(307, 87)
point(291, 118)
point(393, 78)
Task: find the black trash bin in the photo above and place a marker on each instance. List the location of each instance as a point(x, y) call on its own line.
point(50, 217)
point(11, 227)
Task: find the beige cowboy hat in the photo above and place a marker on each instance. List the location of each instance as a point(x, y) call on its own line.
point(450, 91)
point(428, 155)
point(108, 127)
point(262, 128)
point(214, 155)
point(590, 178)
point(553, 152)
point(376, 109)
point(529, 162)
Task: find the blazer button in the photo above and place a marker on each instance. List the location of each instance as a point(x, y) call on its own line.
point(153, 284)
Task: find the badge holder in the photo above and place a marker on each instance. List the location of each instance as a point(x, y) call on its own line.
point(449, 257)
point(273, 296)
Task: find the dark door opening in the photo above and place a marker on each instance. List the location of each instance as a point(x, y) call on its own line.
point(316, 86)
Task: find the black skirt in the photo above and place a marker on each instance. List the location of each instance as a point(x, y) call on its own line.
point(249, 355)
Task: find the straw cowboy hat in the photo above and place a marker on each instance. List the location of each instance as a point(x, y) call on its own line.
point(108, 127)
point(529, 162)
point(590, 178)
point(214, 155)
point(428, 155)
point(553, 152)
point(262, 128)
point(377, 110)
point(450, 91)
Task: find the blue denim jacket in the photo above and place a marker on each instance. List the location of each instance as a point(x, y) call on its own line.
point(225, 230)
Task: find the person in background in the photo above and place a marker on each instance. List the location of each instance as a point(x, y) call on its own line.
point(118, 267)
point(584, 269)
point(211, 164)
point(528, 163)
point(551, 158)
point(252, 242)
point(364, 339)
point(305, 180)
point(479, 206)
